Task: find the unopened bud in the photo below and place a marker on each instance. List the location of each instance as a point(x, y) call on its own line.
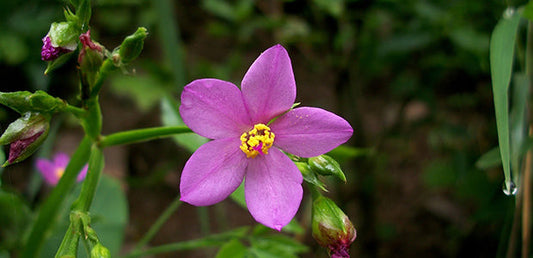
point(331, 227)
point(90, 58)
point(326, 166)
point(24, 136)
point(100, 251)
point(132, 46)
point(62, 38)
point(37, 102)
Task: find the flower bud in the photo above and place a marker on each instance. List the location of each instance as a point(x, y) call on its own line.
point(100, 251)
point(25, 101)
point(326, 166)
point(331, 227)
point(132, 46)
point(62, 38)
point(90, 58)
point(25, 135)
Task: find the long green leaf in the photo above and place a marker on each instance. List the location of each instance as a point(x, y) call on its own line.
point(502, 45)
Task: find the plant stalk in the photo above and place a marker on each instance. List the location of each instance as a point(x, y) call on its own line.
point(140, 135)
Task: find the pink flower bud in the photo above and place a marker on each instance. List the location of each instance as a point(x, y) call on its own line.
point(332, 228)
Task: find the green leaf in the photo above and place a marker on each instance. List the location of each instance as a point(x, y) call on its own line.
point(109, 214)
point(170, 117)
point(518, 119)
point(277, 245)
point(490, 159)
point(502, 44)
point(528, 11)
point(345, 153)
point(144, 90)
point(232, 249)
point(14, 218)
point(334, 7)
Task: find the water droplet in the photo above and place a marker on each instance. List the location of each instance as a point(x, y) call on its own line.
point(509, 188)
point(509, 12)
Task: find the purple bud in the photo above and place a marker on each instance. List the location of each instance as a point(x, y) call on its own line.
point(17, 147)
point(88, 46)
point(61, 38)
point(332, 228)
point(25, 135)
point(49, 52)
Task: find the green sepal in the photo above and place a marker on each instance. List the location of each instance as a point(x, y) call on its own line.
point(56, 63)
point(25, 101)
point(132, 46)
point(64, 34)
point(326, 166)
point(309, 176)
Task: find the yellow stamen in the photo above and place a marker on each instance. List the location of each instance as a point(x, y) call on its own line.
point(59, 172)
point(257, 141)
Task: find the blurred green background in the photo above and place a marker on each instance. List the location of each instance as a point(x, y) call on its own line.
point(412, 77)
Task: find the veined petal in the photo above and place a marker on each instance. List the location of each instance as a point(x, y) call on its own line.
point(214, 109)
point(268, 86)
point(273, 189)
point(309, 132)
point(213, 172)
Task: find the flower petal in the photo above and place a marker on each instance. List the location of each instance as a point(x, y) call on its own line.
point(268, 86)
point(47, 169)
point(273, 189)
point(61, 160)
point(309, 132)
point(213, 172)
point(82, 173)
point(214, 109)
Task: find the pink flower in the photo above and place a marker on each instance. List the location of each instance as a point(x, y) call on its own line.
point(246, 146)
point(52, 170)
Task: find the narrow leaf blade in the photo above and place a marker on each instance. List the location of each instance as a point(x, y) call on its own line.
point(501, 61)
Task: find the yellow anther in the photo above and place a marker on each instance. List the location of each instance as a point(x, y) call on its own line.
point(59, 172)
point(257, 141)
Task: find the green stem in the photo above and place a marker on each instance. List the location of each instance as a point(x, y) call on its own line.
point(107, 67)
point(50, 208)
point(209, 241)
point(78, 112)
point(96, 165)
point(158, 224)
point(69, 245)
point(140, 135)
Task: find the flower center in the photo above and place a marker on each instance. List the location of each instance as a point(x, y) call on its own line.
point(257, 141)
point(59, 172)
